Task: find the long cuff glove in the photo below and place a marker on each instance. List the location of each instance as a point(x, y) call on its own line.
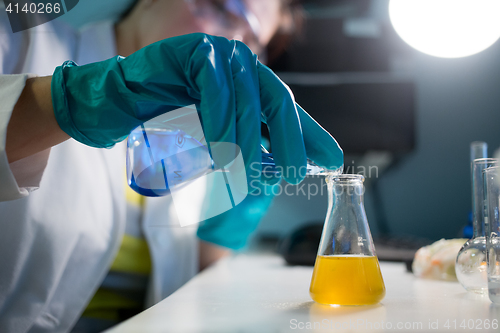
point(100, 103)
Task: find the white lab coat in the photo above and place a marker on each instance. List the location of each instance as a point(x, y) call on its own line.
point(57, 243)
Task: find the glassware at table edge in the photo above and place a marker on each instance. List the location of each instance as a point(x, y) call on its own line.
point(470, 265)
point(492, 179)
point(346, 249)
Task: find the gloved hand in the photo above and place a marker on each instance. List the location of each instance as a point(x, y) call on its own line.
point(100, 103)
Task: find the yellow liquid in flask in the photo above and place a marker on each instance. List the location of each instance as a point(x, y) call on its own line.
point(347, 280)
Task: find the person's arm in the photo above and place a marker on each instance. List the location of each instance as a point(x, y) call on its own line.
point(33, 127)
point(210, 253)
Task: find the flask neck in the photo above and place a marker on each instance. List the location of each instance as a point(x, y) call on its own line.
point(347, 190)
point(348, 193)
point(346, 230)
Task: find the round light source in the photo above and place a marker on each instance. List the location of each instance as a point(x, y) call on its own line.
point(447, 28)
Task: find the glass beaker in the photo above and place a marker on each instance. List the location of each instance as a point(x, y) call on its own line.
point(170, 150)
point(346, 271)
point(470, 265)
point(491, 180)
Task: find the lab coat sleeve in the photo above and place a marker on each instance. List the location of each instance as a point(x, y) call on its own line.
point(21, 177)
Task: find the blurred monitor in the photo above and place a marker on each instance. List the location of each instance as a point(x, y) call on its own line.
point(363, 111)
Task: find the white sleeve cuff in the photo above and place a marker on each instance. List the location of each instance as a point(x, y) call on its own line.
point(23, 176)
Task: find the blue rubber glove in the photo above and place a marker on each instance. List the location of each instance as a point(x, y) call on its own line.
point(100, 103)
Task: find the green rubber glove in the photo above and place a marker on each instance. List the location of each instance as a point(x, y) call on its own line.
point(100, 103)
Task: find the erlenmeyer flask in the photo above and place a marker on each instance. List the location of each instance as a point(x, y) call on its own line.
point(346, 271)
point(470, 266)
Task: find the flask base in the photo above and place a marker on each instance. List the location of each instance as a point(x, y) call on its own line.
point(352, 280)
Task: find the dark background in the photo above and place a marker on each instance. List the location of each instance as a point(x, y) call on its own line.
point(426, 191)
point(386, 96)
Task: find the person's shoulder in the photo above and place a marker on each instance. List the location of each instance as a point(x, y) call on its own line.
point(57, 29)
point(97, 42)
point(10, 44)
point(104, 25)
point(15, 48)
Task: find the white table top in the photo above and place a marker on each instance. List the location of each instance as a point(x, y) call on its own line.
point(259, 293)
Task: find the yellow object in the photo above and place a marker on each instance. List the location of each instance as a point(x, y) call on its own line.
point(347, 280)
point(106, 303)
point(133, 256)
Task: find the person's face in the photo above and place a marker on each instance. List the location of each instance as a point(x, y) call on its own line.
point(253, 22)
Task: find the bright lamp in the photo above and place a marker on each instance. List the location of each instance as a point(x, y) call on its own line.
point(447, 28)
